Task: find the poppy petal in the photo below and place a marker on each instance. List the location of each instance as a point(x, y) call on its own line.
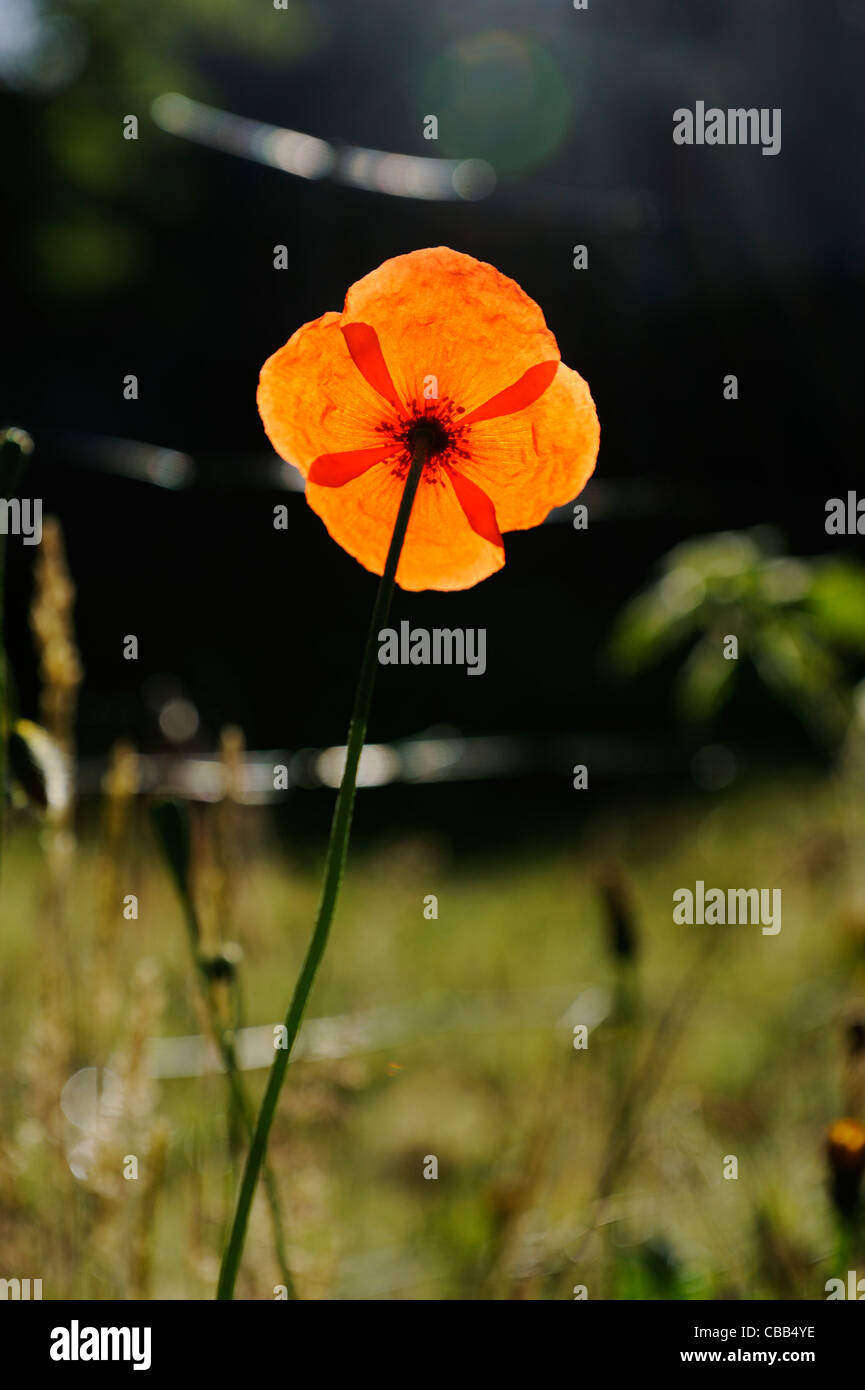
point(313, 400)
point(526, 391)
point(366, 354)
point(335, 470)
point(539, 458)
point(479, 510)
point(441, 548)
point(450, 326)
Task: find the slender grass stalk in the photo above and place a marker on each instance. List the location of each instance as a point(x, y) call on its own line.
point(15, 447)
point(171, 825)
point(334, 865)
point(644, 1082)
point(242, 1106)
point(4, 697)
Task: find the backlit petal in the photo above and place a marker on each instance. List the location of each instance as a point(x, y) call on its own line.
point(449, 323)
point(366, 353)
point(479, 510)
point(313, 400)
point(334, 470)
point(539, 458)
point(441, 548)
point(526, 391)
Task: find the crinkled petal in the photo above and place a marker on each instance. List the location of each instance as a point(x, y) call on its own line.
point(535, 460)
point(441, 549)
point(313, 399)
point(450, 324)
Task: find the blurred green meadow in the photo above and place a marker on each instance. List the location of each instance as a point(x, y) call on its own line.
point(451, 1038)
point(520, 1076)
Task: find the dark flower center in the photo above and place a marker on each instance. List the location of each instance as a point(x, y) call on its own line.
point(433, 424)
point(430, 431)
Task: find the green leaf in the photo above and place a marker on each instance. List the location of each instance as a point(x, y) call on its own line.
point(792, 659)
point(647, 629)
point(706, 680)
point(836, 601)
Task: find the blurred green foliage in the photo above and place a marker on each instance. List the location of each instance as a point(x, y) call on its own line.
point(78, 67)
point(796, 621)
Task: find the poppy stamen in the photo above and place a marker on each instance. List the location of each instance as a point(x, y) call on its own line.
point(433, 424)
point(429, 430)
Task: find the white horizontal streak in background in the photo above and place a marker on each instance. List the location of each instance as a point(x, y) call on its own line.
point(308, 157)
point(375, 1030)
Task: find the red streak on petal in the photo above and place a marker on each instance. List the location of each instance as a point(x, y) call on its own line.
point(333, 470)
point(526, 391)
point(479, 510)
point(367, 356)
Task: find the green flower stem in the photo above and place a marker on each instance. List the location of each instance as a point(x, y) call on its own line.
point(334, 865)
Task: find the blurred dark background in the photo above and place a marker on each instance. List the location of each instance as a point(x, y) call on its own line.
point(155, 257)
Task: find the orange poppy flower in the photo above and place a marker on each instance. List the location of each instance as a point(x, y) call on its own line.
point(433, 342)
